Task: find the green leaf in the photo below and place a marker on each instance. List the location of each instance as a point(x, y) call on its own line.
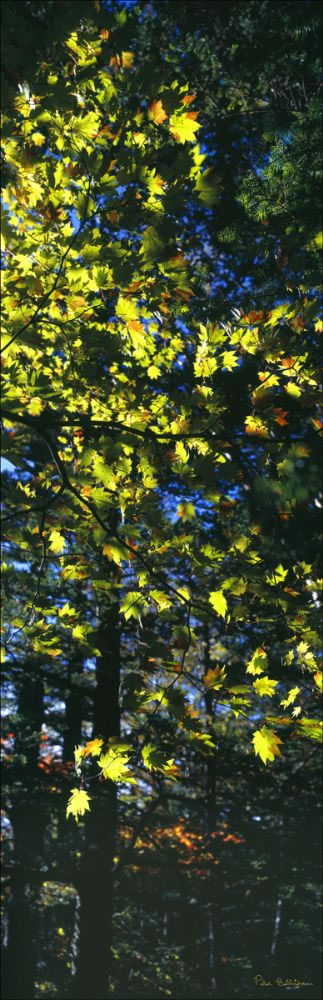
point(133, 605)
point(258, 662)
point(152, 245)
point(312, 728)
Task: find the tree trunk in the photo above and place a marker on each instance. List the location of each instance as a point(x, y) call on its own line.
point(214, 929)
point(96, 879)
point(73, 716)
point(28, 820)
point(75, 697)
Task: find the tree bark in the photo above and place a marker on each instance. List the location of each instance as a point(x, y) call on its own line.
point(73, 716)
point(214, 930)
point(96, 878)
point(28, 820)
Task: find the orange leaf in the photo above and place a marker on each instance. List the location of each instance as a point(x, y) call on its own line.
point(256, 426)
point(156, 112)
point(188, 98)
point(93, 748)
point(280, 417)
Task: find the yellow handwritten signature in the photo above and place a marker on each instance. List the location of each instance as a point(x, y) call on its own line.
point(296, 983)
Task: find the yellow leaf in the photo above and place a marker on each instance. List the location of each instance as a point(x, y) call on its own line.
point(124, 61)
point(156, 112)
point(57, 542)
point(181, 452)
point(140, 138)
point(126, 309)
point(264, 686)
point(161, 599)
point(318, 677)
point(184, 592)
point(37, 138)
point(36, 406)
point(66, 610)
point(290, 697)
point(153, 371)
point(218, 601)
point(114, 766)
point(78, 754)
point(115, 552)
point(93, 748)
point(77, 803)
point(277, 576)
point(265, 743)
point(183, 127)
point(254, 425)
point(229, 360)
point(186, 511)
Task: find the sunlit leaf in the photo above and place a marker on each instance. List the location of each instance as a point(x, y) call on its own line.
point(266, 744)
point(78, 803)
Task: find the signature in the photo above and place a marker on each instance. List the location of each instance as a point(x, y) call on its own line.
point(261, 981)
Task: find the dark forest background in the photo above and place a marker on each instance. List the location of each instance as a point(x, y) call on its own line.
point(191, 889)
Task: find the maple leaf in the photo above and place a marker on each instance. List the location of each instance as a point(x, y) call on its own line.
point(155, 760)
point(186, 511)
point(77, 804)
point(290, 697)
point(277, 576)
point(115, 552)
point(215, 678)
point(123, 62)
point(37, 138)
point(78, 754)
point(93, 748)
point(265, 743)
point(280, 416)
point(114, 766)
point(181, 452)
point(132, 604)
point(229, 360)
point(254, 425)
point(219, 603)
point(162, 600)
point(188, 98)
point(313, 728)
point(153, 371)
point(57, 541)
point(258, 662)
point(183, 127)
point(66, 610)
point(264, 686)
point(156, 112)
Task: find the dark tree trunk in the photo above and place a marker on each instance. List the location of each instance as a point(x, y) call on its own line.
point(214, 929)
point(75, 697)
point(28, 820)
point(96, 879)
point(73, 716)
